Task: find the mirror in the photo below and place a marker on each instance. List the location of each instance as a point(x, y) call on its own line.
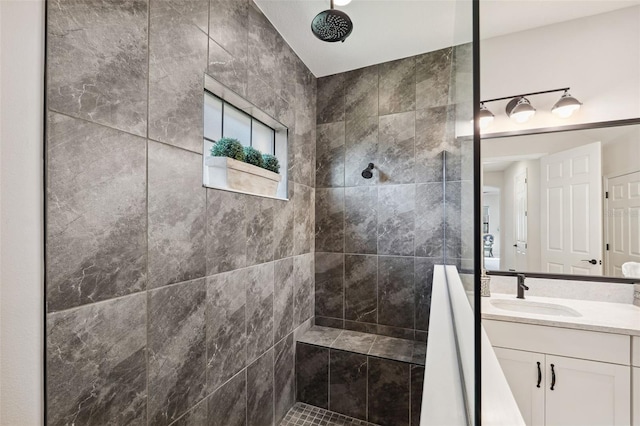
point(563, 201)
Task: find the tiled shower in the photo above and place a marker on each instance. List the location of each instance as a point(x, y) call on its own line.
point(168, 303)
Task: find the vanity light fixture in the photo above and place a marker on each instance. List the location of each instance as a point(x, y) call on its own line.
point(520, 109)
point(485, 116)
point(566, 105)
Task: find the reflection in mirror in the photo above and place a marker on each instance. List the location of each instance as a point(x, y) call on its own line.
point(565, 202)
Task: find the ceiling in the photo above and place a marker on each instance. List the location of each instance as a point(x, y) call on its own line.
point(386, 30)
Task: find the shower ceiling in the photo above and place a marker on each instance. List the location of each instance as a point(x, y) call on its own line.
point(394, 29)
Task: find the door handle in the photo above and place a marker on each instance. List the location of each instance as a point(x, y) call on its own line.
point(515, 245)
point(591, 261)
point(553, 377)
point(539, 375)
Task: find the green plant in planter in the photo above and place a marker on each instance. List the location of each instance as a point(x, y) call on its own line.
point(252, 156)
point(271, 163)
point(228, 147)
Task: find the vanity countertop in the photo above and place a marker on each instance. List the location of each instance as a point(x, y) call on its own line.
point(605, 317)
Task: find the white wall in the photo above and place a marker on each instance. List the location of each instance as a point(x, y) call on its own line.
point(597, 56)
point(21, 212)
point(622, 155)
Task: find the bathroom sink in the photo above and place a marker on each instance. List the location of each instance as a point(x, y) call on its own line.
point(530, 307)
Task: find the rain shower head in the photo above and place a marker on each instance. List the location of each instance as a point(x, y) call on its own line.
point(332, 25)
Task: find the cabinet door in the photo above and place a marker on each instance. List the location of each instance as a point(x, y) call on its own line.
point(521, 371)
point(587, 393)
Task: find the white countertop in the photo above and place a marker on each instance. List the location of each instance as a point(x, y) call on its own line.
point(619, 318)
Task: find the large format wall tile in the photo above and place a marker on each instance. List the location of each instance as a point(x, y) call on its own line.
point(433, 76)
point(177, 60)
point(430, 220)
point(97, 62)
point(260, 391)
point(361, 148)
point(228, 23)
point(312, 375)
point(423, 286)
point(330, 154)
point(228, 405)
point(396, 148)
point(330, 219)
point(304, 219)
point(433, 136)
point(360, 288)
point(396, 219)
point(227, 69)
point(260, 220)
point(259, 282)
point(330, 99)
point(361, 220)
point(361, 93)
point(96, 213)
point(397, 86)
point(453, 220)
point(177, 350)
point(388, 392)
point(96, 368)
point(195, 417)
point(283, 226)
point(226, 227)
point(348, 383)
point(177, 209)
point(395, 291)
point(303, 288)
point(284, 377)
point(283, 298)
point(329, 278)
point(265, 58)
point(417, 384)
point(226, 325)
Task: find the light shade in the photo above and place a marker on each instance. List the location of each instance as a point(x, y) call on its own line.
point(566, 106)
point(485, 117)
point(520, 109)
point(341, 2)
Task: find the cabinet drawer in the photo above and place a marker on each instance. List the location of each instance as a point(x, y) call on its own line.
point(635, 351)
point(596, 346)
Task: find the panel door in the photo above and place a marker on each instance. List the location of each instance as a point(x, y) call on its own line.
point(623, 222)
point(521, 371)
point(571, 211)
point(587, 393)
point(521, 221)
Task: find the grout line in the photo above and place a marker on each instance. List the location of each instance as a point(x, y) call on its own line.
point(148, 296)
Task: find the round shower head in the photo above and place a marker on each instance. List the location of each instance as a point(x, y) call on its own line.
point(332, 25)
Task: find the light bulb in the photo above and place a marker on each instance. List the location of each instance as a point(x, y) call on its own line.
point(523, 116)
point(341, 2)
point(566, 105)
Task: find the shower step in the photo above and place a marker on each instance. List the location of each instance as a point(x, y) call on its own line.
point(364, 376)
point(303, 414)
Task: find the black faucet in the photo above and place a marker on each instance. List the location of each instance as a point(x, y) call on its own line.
point(521, 286)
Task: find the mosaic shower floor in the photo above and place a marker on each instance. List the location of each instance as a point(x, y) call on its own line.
point(303, 414)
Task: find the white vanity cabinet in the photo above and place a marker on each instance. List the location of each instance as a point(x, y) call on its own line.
point(591, 381)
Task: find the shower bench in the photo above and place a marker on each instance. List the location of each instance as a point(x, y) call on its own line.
point(370, 377)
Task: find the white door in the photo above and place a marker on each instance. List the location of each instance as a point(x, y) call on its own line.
point(520, 202)
point(571, 211)
point(623, 222)
point(524, 372)
point(587, 393)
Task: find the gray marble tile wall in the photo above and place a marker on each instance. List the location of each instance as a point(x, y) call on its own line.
point(377, 239)
point(371, 388)
point(169, 303)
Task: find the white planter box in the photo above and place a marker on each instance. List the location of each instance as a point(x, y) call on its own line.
point(224, 172)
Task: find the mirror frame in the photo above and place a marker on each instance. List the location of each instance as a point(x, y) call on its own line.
point(558, 129)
